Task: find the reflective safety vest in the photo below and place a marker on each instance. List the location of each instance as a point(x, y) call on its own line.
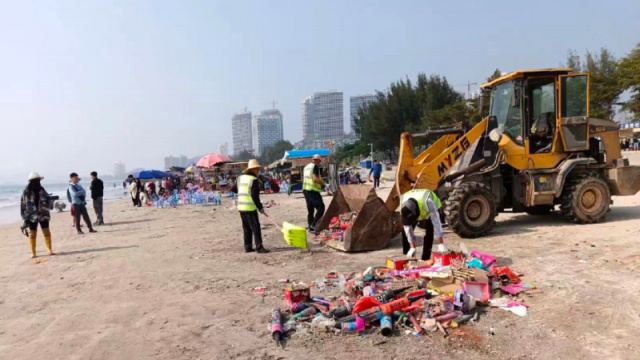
point(421, 197)
point(307, 182)
point(245, 202)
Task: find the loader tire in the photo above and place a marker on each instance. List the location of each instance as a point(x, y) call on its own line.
point(471, 210)
point(539, 210)
point(585, 199)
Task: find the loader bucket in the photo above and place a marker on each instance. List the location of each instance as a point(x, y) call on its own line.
point(372, 228)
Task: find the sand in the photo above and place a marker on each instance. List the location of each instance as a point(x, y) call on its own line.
point(176, 284)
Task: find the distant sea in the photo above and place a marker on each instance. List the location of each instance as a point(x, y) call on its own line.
point(10, 197)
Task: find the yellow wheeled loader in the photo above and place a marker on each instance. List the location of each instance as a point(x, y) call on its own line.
point(537, 149)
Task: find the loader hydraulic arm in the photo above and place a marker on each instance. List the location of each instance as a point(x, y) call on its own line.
point(429, 168)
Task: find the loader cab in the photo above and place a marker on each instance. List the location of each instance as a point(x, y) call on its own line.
point(541, 114)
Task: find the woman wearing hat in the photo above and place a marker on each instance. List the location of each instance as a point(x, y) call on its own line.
point(34, 209)
point(248, 190)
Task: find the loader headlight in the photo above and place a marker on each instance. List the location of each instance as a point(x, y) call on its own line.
point(495, 135)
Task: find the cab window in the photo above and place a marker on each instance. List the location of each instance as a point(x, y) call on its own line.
point(505, 106)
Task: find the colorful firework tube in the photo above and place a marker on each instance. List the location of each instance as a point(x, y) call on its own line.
point(276, 325)
point(400, 304)
point(306, 312)
point(386, 325)
point(321, 301)
point(389, 295)
point(368, 315)
point(445, 317)
point(415, 323)
point(342, 311)
point(321, 308)
point(298, 307)
point(357, 325)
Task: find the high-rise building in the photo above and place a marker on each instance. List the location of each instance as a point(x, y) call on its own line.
point(328, 118)
point(119, 170)
point(266, 130)
point(307, 118)
point(356, 103)
point(241, 126)
point(223, 149)
point(170, 161)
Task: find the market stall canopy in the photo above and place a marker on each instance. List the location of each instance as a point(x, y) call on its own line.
point(303, 157)
point(279, 163)
point(294, 154)
point(151, 174)
point(210, 160)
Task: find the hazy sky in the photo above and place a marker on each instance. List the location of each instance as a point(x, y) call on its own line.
point(86, 83)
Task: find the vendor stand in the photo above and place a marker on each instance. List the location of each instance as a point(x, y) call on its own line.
point(301, 158)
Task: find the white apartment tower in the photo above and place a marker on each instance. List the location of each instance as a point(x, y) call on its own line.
point(328, 118)
point(267, 130)
point(307, 118)
point(356, 103)
point(223, 149)
point(241, 128)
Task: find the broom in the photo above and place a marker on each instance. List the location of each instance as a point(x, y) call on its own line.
point(294, 235)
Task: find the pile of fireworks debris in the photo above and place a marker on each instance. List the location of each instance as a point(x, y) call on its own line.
point(337, 227)
point(407, 296)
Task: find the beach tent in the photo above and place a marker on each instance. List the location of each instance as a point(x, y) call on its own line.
point(210, 160)
point(150, 174)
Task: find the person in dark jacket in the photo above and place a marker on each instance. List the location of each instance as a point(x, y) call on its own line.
point(376, 170)
point(34, 209)
point(97, 192)
point(248, 189)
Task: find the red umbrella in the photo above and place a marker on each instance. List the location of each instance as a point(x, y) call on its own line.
point(210, 160)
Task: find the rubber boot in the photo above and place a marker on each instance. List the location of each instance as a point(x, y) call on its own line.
point(32, 240)
point(47, 240)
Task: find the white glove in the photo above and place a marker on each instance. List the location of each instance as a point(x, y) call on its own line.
point(411, 252)
point(442, 248)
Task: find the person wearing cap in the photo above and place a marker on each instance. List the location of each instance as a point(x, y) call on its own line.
point(78, 202)
point(34, 209)
point(97, 192)
point(247, 187)
point(416, 206)
point(311, 186)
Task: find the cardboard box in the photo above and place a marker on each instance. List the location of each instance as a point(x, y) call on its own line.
point(446, 259)
point(446, 286)
point(399, 262)
point(297, 294)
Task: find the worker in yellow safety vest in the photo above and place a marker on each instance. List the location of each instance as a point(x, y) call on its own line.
point(416, 206)
point(248, 189)
point(311, 186)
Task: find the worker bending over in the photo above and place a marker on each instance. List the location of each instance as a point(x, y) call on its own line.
point(248, 190)
point(420, 205)
point(311, 186)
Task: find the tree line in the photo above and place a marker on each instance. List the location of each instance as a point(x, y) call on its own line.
point(432, 102)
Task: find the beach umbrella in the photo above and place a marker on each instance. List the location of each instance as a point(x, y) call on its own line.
point(150, 174)
point(210, 160)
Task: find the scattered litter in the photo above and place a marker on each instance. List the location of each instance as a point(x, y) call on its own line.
point(39, 261)
point(258, 290)
point(407, 296)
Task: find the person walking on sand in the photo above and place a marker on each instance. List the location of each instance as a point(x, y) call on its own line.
point(134, 190)
point(34, 209)
point(78, 202)
point(97, 192)
point(376, 170)
point(311, 186)
point(248, 189)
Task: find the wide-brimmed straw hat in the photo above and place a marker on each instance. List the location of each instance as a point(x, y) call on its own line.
point(253, 164)
point(316, 157)
point(35, 175)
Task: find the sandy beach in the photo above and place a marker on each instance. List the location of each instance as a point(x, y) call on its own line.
point(176, 284)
